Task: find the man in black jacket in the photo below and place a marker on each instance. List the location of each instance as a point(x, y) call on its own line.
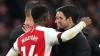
point(67, 17)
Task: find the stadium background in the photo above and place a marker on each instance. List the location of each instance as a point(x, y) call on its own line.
point(12, 14)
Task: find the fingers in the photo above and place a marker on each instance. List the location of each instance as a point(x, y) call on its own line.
point(90, 21)
point(26, 28)
point(87, 20)
point(23, 29)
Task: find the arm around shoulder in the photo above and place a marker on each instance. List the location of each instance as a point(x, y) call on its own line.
point(71, 33)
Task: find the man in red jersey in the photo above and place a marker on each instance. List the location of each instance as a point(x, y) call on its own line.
point(39, 40)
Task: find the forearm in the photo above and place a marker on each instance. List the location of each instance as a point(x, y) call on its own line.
point(71, 33)
point(12, 52)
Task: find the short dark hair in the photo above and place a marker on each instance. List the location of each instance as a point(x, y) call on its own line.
point(38, 11)
point(70, 11)
point(30, 5)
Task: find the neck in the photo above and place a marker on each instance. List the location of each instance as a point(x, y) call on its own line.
point(70, 25)
point(29, 20)
point(40, 24)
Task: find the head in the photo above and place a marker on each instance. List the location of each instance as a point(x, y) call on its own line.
point(40, 14)
point(28, 8)
point(66, 16)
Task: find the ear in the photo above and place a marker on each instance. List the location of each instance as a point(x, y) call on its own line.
point(45, 18)
point(70, 19)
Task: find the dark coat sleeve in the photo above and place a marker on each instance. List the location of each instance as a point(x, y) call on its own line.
point(81, 46)
point(95, 49)
point(15, 34)
point(77, 46)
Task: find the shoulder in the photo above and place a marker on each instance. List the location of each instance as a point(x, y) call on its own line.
point(17, 30)
point(15, 34)
point(80, 34)
point(80, 38)
point(46, 29)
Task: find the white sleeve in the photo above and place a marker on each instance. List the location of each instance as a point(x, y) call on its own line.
point(71, 33)
point(53, 35)
point(14, 51)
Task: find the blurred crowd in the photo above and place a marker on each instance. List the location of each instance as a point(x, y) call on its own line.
point(12, 14)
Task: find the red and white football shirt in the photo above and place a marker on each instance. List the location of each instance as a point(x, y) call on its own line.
point(38, 42)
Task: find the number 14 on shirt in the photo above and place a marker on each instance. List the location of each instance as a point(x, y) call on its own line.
point(30, 51)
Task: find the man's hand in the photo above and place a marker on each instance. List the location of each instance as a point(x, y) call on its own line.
point(87, 20)
point(26, 28)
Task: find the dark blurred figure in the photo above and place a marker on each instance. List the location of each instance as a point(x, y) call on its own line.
point(95, 49)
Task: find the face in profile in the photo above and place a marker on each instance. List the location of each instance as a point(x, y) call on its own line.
point(61, 20)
